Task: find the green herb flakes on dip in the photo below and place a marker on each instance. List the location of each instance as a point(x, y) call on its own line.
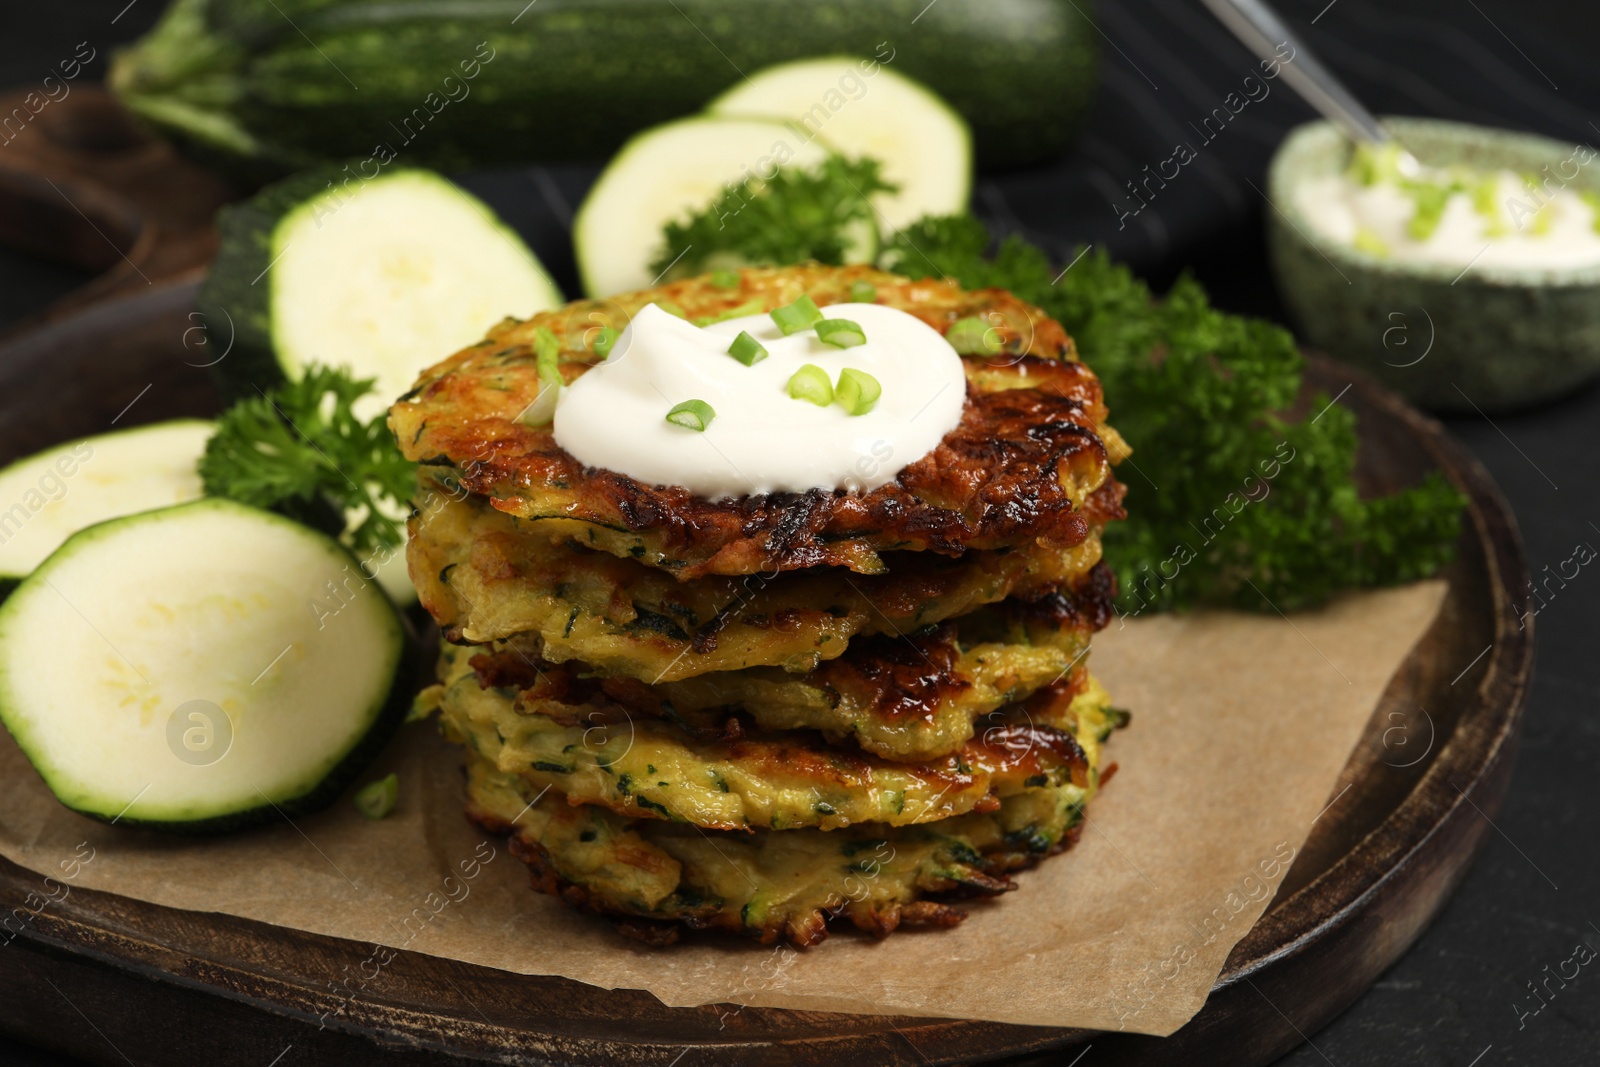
point(1457, 215)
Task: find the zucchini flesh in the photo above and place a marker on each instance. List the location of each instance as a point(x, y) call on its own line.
point(267, 86)
point(665, 173)
point(47, 497)
point(924, 146)
point(199, 667)
point(385, 277)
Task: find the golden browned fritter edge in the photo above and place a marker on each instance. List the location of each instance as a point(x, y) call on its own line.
point(1030, 446)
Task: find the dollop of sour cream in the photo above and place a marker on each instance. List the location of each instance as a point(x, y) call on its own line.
point(762, 440)
point(1454, 216)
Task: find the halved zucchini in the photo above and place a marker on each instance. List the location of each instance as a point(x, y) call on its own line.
point(199, 668)
point(51, 495)
point(667, 172)
point(383, 276)
point(924, 146)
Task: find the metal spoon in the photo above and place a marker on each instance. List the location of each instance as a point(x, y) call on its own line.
point(1263, 32)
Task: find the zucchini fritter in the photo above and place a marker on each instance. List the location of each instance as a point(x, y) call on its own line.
point(1029, 451)
point(596, 753)
point(910, 699)
point(661, 876)
point(758, 714)
point(484, 577)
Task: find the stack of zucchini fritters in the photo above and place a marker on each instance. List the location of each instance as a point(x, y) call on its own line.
point(759, 713)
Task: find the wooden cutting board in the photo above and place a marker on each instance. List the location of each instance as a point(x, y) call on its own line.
point(82, 183)
point(164, 986)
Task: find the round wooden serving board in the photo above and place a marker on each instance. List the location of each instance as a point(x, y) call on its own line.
point(114, 980)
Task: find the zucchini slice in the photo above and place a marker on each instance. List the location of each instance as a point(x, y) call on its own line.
point(47, 497)
point(667, 172)
point(383, 276)
point(923, 144)
point(200, 668)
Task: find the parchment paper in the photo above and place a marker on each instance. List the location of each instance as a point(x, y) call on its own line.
point(1241, 724)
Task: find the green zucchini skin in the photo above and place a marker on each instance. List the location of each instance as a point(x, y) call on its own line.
point(235, 300)
point(413, 665)
point(459, 83)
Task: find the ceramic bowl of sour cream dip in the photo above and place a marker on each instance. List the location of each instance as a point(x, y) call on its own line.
point(1473, 283)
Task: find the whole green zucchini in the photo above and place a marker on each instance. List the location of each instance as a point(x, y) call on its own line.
point(267, 86)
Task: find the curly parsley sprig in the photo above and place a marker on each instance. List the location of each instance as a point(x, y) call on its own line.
point(822, 213)
point(301, 446)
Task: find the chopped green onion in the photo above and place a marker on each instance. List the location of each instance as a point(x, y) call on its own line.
point(1371, 164)
point(811, 383)
point(1543, 219)
point(547, 357)
point(1592, 198)
point(376, 799)
point(747, 349)
point(800, 315)
point(725, 279)
point(1430, 199)
point(973, 337)
point(749, 307)
point(863, 293)
point(1541, 216)
point(857, 391)
point(840, 333)
point(604, 338)
point(546, 348)
point(692, 415)
point(1368, 241)
point(1485, 201)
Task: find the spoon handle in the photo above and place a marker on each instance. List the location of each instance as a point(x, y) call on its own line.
point(1263, 32)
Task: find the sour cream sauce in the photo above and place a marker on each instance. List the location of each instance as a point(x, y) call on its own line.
point(761, 440)
point(1504, 222)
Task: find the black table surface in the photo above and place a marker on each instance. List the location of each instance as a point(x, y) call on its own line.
point(1460, 997)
